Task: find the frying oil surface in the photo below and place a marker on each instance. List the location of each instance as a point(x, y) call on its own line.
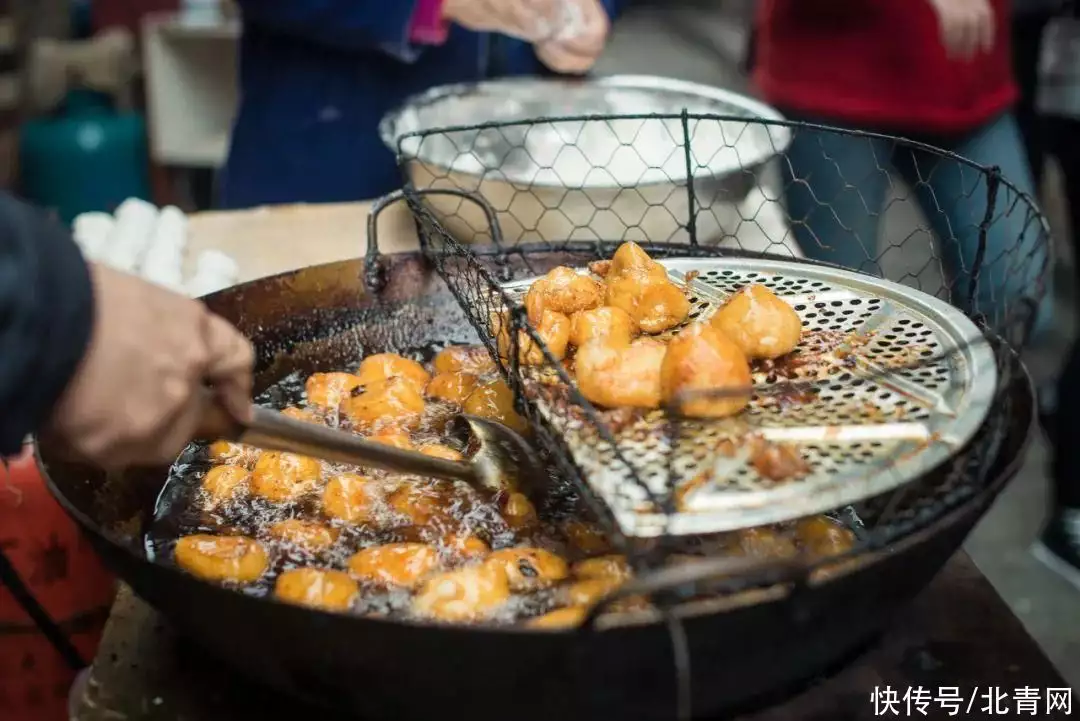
point(354, 540)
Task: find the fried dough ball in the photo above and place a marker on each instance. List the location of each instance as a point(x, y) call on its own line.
point(282, 477)
point(589, 591)
point(823, 537)
point(236, 559)
point(350, 498)
point(529, 569)
point(397, 440)
point(553, 329)
point(627, 376)
point(317, 588)
point(233, 454)
point(495, 401)
point(587, 537)
point(606, 323)
point(757, 321)
point(423, 502)
point(613, 567)
point(631, 258)
point(467, 594)
point(766, 544)
point(301, 414)
point(656, 304)
point(702, 358)
point(453, 387)
point(223, 482)
point(308, 535)
point(391, 403)
point(562, 290)
point(383, 366)
point(446, 453)
point(519, 512)
point(466, 546)
point(395, 564)
point(328, 390)
point(569, 617)
point(472, 359)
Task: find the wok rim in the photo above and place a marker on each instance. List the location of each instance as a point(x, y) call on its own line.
point(607, 622)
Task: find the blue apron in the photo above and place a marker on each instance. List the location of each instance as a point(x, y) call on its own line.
point(316, 78)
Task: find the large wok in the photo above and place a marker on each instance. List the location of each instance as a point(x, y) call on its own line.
point(323, 318)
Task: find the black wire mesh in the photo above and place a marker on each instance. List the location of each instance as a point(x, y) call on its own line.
point(494, 204)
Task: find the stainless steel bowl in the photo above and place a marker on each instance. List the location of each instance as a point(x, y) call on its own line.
point(555, 165)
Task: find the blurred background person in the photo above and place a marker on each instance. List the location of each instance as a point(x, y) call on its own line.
point(936, 71)
point(318, 75)
point(1058, 111)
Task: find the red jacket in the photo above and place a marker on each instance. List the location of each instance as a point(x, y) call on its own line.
point(878, 63)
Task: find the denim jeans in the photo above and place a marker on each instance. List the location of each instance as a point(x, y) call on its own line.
point(835, 190)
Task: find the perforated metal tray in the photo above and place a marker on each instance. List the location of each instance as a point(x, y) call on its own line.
point(897, 381)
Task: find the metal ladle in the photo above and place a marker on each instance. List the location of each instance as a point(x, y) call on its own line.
point(504, 461)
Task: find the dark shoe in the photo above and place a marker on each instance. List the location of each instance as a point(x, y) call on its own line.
point(1059, 546)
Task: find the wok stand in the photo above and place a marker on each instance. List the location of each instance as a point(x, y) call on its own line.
point(144, 672)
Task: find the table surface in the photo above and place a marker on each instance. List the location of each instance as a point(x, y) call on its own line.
point(958, 633)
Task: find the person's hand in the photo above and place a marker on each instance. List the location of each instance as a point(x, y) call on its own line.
point(140, 391)
point(569, 35)
point(529, 20)
point(578, 43)
point(967, 26)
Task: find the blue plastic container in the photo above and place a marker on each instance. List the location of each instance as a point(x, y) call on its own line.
point(87, 157)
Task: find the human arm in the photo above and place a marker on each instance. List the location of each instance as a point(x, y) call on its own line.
point(112, 367)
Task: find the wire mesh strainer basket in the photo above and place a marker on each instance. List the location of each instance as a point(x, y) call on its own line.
point(892, 406)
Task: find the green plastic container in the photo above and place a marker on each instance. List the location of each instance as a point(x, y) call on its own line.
point(87, 157)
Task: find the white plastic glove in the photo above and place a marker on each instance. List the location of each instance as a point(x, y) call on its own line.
point(579, 40)
point(967, 26)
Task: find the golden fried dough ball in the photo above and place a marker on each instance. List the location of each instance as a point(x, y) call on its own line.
point(766, 544)
point(528, 569)
point(317, 588)
point(824, 537)
point(587, 537)
point(282, 477)
point(446, 453)
point(391, 403)
point(569, 617)
point(627, 376)
point(452, 387)
point(397, 440)
point(467, 594)
point(519, 512)
point(495, 401)
point(328, 390)
point(395, 564)
point(223, 482)
point(553, 329)
point(472, 359)
point(466, 546)
point(562, 290)
point(350, 498)
point(423, 502)
point(702, 358)
point(302, 414)
point(308, 535)
point(656, 304)
point(757, 321)
point(236, 559)
point(589, 591)
point(631, 259)
point(234, 454)
point(613, 567)
point(382, 366)
point(606, 323)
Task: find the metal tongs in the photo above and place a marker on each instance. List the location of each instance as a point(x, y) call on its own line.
point(504, 461)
